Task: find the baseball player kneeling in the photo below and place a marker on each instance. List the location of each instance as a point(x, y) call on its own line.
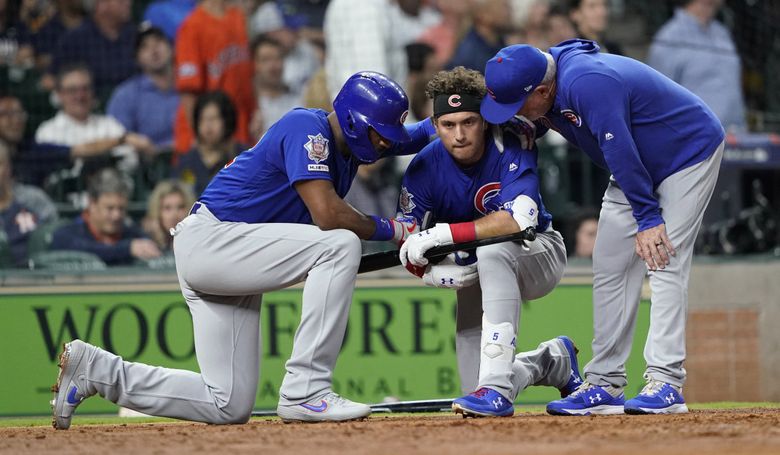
point(476, 182)
point(271, 218)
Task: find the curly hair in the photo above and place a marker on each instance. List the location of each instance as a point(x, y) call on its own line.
point(456, 80)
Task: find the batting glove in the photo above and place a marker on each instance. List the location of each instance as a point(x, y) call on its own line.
point(451, 273)
point(414, 248)
point(403, 227)
point(524, 129)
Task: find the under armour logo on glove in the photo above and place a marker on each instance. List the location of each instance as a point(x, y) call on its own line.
point(447, 281)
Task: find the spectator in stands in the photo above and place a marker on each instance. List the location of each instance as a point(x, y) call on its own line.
point(591, 18)
point(15, 43)
point(445, 36)
point(559, 26)
point(75, 124)
point(315, 92)
point(22, 209)
point(147, 103)
point(33, 162)
point(212, 53)
point(585, 225)
point(168, 204)
point(103, 229)
point(69, 15)
point(168, 15)
point(301, 59)
point(104, 42)
point(274, 98)
point(491, 21)
point(529, 22)
point(358, 36)
point(423, 64)
point(214, 118)
point(697, 51)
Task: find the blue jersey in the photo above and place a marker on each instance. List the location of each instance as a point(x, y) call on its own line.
point(435, 183)
point(630, 119)
point(258, 186)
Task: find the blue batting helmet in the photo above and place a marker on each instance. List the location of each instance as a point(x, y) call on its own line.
point(371, 100)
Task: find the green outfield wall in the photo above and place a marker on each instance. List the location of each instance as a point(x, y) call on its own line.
point(399, 343)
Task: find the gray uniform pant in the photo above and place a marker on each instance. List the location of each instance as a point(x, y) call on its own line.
point(508, 274)
point(618, 273)
point(224, 268)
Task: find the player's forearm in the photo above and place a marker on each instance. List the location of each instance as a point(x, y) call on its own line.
point(495, 224)
point(344, 216)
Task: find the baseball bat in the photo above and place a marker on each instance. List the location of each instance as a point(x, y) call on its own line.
point(386, 259)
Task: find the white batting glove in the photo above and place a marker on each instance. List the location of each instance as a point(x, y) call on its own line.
point(414, 248)
point(403, 227)
point(451, 275)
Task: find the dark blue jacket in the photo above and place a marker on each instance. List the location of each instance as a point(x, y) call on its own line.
point(76, 236)
point(630, 119)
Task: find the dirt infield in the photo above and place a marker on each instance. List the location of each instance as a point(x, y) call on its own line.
point(744, 431)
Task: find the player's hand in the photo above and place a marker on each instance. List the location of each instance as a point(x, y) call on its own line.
point(144, 249)
point(403, 227)
point(414, 248)
point(456, 271)
point(524, 129)
point(654, 247)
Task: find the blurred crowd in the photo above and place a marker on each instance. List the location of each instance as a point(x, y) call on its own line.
point(115, 114)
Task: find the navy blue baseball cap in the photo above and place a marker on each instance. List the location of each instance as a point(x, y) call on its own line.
point(510, 76)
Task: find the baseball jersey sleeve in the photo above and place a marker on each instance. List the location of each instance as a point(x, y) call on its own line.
point(604, 105)
point(307, 156)
point(519, 174)
point(415, 198)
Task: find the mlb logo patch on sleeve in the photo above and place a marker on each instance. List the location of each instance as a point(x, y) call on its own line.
point(405, 201)
point(317, 148)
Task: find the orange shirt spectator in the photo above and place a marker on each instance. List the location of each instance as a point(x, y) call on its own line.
point(212, 53)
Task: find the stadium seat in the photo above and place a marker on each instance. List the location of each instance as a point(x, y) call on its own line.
point(41, 238)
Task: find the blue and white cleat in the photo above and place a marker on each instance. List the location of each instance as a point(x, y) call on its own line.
point(588, 399)
point(657, 398)
point(484, 402)
point(575, 379)
point(71, 387)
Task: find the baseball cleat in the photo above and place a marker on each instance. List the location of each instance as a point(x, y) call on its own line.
point(484, 402)
point(575, 379)
point(330, 407)
point(71, 387)
point(588, 399)
point(657, 398)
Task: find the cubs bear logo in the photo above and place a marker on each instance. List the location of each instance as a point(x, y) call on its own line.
point(486, 200)
point(572, 116)
point(317, 147)
point(405, 201)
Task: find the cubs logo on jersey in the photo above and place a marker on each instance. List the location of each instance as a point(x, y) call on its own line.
point(317, 147)
point(405, 201)
point(572, 116)
point(486, 200)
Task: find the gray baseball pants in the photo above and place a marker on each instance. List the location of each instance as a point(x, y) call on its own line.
point(224, 268)
point(508, 274)
point(618, 273)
